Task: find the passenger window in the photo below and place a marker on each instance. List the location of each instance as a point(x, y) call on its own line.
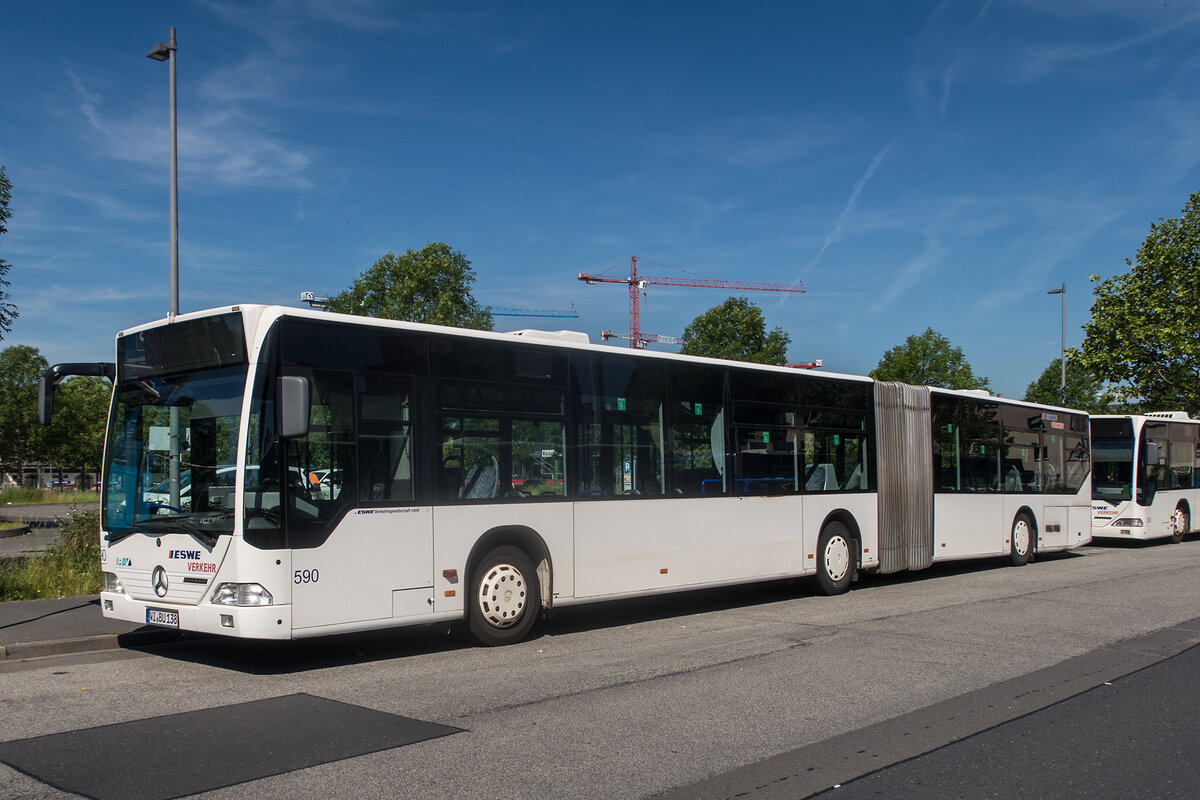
point(1182, 455)
point(384, 444)
point(538, 459)
point(767, 461)
point(1020, 463)
point(619, 434)
point(697, 431)
point(486, 458)
point(470, 458)
point(835, 461)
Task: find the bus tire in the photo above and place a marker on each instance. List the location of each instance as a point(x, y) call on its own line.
point(835, 559)
point(1180, 522)
point(1022, 539)
point(505, 597)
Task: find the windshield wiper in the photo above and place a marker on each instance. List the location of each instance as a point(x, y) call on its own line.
point(195, 528)
point(116, 536)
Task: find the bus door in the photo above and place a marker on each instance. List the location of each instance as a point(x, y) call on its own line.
point(1152, 473)
point(361, 550)
point(970, 474)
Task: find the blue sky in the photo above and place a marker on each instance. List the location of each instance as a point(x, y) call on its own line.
point(915, 164)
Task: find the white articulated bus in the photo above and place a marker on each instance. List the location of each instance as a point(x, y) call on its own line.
point(389, 473)
point(1147, 475)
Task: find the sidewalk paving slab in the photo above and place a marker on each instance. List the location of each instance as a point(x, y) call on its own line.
point(67, 625)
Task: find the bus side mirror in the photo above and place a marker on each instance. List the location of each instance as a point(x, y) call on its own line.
point(57, 373)
point(292, 393)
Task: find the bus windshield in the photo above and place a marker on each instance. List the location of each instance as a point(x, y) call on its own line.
point(172, 437)
point(1112, 468)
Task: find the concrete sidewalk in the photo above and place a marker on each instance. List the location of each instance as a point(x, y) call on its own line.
point(65, 625)
point(41, 527)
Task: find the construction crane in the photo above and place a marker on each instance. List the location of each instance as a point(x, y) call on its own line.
point(649, 337)
point(636, 283)
point(534, 312)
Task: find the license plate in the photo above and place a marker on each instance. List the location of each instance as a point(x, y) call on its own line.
point(162, 616)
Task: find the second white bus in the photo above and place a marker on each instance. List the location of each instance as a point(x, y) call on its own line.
point(1146, 479)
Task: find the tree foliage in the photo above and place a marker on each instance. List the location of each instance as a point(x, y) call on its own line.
point(75, 436)
point(21, 435)
point(1144, 333)
point(928, 359)
point(8, 311)
point(735, 330)
point(431, 285)
point(1084, 390)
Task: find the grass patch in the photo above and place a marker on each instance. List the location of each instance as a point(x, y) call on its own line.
point(71, 568)
point(10, 524)
point(19, 497)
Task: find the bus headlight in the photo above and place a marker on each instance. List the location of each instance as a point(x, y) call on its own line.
point(112, 583)
point(1129, 522)
point(242, 594)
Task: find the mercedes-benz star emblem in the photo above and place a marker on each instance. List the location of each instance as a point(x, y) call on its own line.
point(158, 579)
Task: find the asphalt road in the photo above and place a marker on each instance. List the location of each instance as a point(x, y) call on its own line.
point(761, 691)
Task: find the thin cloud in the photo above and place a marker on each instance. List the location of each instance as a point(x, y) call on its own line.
point(762, 142)
point(932, 85)
point(221, 146)
point(839, 227)
point(109, 207)
point(912, 273)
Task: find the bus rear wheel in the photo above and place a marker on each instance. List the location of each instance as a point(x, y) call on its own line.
point(505, 598)
point(1179, 524)
point(835, 559)
point(1021, 549)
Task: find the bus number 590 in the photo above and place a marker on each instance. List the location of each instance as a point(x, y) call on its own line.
point(307, 576)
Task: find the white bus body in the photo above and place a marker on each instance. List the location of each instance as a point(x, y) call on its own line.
point(393, 473)
point(1147, 475)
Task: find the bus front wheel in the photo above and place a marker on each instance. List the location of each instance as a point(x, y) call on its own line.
point(1179, 524)
point(505, 597)
point(1021, 550)
point(835, 559)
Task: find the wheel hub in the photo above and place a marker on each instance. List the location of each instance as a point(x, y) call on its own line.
point(502, 596)
point(837, 558)
point(1021, 537)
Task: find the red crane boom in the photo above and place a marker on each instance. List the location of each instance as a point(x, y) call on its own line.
point(635, 282)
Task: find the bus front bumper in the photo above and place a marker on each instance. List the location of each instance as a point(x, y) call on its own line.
point(247, 622)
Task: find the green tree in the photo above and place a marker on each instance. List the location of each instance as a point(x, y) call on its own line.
point(928, 359)
point(20, 434)
point(735, 330)
point(431, 285)
point(1084, 390)
point(8, 311)
point(1144, 334)
point(75, 437)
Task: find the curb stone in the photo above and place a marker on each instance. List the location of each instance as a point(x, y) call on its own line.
point(86, 644)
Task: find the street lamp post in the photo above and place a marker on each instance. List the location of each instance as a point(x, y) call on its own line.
point(1062, 290)
point(166, 52)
